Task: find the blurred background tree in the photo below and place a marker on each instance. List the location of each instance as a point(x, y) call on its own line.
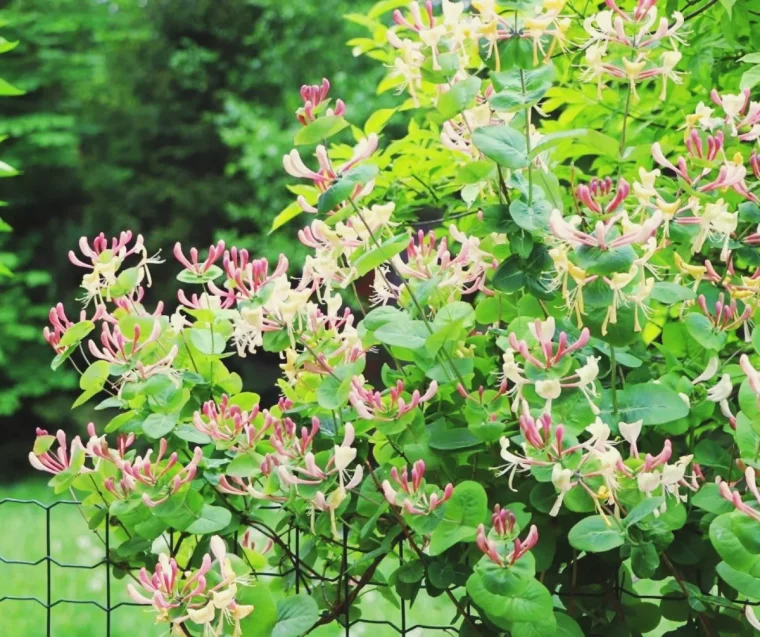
point(167, 117)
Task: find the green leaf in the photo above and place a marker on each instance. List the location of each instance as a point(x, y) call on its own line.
point(644, 560)
point(534, 79)
point(642, 510)
point(502, 144)
point(367, 261)
point(333, 392)
point(6, 45)
point(555, 139)
point(448, 63)
point(708, 498)
point(411, 572)
point(377, 121)
point(446, 371)
point(459, 97)
point(94, 377)
point(670, 293)
point(320, 130)
point(567, 626)
point(549, 185)
point(125, 282)
point(742, 582)
point(344, 186)
point(214, 272)
point(7, 170)
point(453, 439)
point(466, 509)
point(507, 581)
point(212, 519)
point(475, 172)
point(159, 425)
point(756, 340)
point(287, 214)
point(207, 341)
point(261, 621)
point(76, 333)
point(544, 627)
point(601, 144)
point(295, 616)
point(595, 535)
point(8, 90)
point(509, 276)
point(605, 262)
point(533, 218)
point(728, 5)
point(512, 101)
point(730, 548)
point(531, 605)
point(191, 434)
point(702, 330)
point(750, 78)
point(410, 334)
point(655, 404)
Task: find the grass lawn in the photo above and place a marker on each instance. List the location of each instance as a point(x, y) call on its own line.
point(22, 537)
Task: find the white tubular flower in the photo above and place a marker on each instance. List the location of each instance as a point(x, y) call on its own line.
point(648, 482)
point(588, 373)
point(753, 376)
point(549, 389)
point(345, 454)
point(545, 331)
point(749, 613)
point(720, 391)
point(562, 479)
point(630, 432)
point(710, 371)
point(204, 615)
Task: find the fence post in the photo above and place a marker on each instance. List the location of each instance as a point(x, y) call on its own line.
point(49, 557)
point(298, 560)
point(346, 589)
point(403, 602)
point(108, 575)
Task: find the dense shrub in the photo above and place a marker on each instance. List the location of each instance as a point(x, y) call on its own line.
point(560, 246)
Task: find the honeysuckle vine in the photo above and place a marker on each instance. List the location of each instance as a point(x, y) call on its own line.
point(549, 393)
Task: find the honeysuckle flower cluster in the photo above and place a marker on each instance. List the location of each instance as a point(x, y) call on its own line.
point(594, 465)
point(415, 497)
point(548, 386)
point(633, 47)
point(315, 97)
point(192, 596)
point(328, 173)
point(503, 521)
point(104, 259)
point(609, 229)
point(499, 329)
point(66, 457)
point(371, 405)
point(430, 259)
point(419, 37)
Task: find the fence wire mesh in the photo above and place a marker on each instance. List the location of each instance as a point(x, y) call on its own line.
point(303, 579)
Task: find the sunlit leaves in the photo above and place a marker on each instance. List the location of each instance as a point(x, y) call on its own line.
point(320, 130)
point(345, 186)
point(502, 144)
